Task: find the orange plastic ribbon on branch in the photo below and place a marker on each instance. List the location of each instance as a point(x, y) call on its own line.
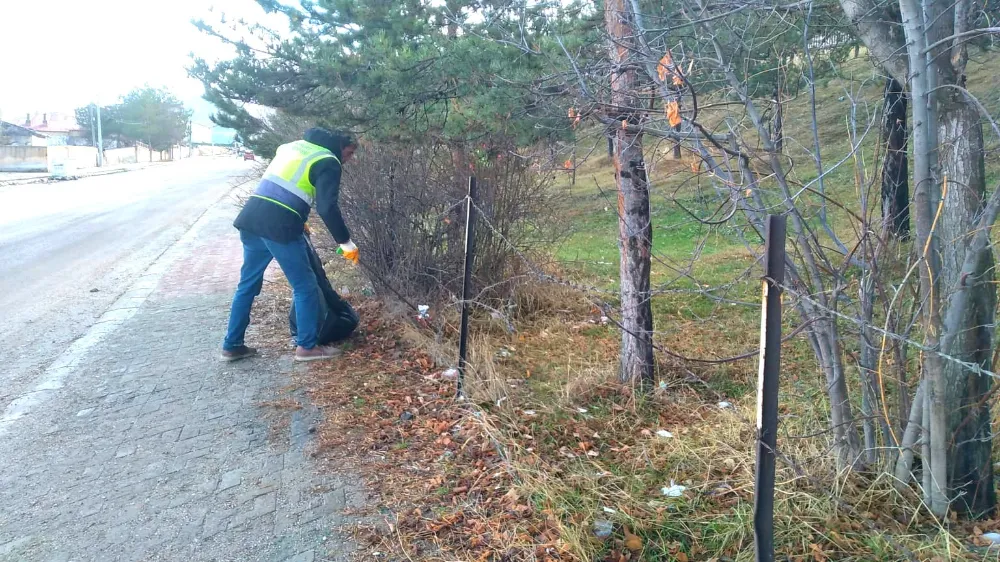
point(673, 113)
point(663, 68)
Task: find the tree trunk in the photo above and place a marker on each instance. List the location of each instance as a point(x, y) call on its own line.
point(454, 8)
point(908, 442)
point(634, 224)
point(635, 239)
point(968, 329)
point(895, 173)
point(842, 423)
point(779, 136)
point(866, 367)
point(952, 228)
point(957, 290)
point(934, 457)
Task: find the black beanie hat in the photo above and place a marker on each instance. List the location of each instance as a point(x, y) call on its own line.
point(334, 141)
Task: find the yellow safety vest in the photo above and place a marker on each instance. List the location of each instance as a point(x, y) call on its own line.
point(286, 180)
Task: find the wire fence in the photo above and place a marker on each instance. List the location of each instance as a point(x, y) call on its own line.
point(606, 300)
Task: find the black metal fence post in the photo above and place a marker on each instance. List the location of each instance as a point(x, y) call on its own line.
point(470, 239)
point(767, 388)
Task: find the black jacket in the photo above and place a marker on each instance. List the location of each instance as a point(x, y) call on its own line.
point(267, 220)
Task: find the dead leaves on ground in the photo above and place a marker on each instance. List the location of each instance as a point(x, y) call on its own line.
point(429, 462)
point(448, 494)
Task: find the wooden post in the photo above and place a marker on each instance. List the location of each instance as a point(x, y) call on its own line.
point(470, 239)
point(767, 388)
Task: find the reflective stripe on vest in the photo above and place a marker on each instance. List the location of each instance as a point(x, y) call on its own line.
point(286, 180)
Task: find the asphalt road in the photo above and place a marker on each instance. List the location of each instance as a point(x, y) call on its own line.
point(69, 249)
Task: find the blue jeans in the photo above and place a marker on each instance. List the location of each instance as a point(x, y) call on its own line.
point(293, 258)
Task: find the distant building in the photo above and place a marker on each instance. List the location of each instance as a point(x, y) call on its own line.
point(16, 135)
point(60, 128)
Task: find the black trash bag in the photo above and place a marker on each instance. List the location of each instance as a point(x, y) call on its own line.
point(337, 318)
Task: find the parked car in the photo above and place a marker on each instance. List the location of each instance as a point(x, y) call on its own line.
point(248, 155)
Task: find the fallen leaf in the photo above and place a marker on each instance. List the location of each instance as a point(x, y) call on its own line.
point(817, 552)
point(632, 542)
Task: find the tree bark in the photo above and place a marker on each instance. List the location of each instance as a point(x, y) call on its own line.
point(879, 34)
point(634, 224)
point(895, 172)
point(934, 458)
point(968, 329)
point(957, 291)
point(842, 423)
point(779, 134)
point(908, 443)
point(866, 367)
point(454, 8)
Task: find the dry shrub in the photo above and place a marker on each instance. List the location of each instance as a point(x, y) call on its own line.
point(405, 206)
point(540, 300)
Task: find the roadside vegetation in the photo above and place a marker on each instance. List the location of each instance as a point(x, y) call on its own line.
point(571, 444)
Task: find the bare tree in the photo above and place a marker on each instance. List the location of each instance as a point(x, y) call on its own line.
point(953, 220)
point(634, 225)
point(738, 150)
point(842, 280)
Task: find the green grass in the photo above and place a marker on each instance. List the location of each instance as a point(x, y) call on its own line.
point(572, 364)
point(687, 254)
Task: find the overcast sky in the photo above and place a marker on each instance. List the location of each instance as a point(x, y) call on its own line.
point(62, 54)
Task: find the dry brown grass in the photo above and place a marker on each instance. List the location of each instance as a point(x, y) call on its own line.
point(547, 445)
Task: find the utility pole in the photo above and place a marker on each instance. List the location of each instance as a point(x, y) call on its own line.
point(93, 128)
point(100, 139)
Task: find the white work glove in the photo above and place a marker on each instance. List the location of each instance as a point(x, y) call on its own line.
point(349, 251)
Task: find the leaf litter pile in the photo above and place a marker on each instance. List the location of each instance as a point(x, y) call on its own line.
point(550, 460)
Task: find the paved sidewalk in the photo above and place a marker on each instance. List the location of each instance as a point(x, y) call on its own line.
point(137, 444)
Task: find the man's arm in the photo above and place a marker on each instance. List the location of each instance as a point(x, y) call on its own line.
point(325, 175)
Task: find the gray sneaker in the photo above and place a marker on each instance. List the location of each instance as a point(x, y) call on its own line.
point(235, 354)
point(318, 353)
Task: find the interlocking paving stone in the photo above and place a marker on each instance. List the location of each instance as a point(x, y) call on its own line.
point(154, 450)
